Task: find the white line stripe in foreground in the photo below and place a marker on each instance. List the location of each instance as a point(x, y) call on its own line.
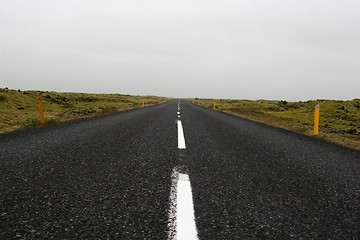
point(185, 218)
point(181, 215)
point(181, 138)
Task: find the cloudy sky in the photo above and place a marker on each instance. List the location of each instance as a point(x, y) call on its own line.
point(252, 49)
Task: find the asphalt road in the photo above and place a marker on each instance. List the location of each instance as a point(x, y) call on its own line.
point(110, 177)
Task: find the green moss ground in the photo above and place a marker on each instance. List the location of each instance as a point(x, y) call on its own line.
point(339, 120)
point(19, 109)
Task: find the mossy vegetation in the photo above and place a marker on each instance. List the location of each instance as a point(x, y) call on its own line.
point(19, 109)
point(339, 120)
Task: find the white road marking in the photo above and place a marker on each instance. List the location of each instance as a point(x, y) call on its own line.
point(181, 222)
point(181, 214)
point(185, 218)
point(181, 138)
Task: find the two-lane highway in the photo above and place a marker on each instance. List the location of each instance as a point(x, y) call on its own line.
point(175, 170)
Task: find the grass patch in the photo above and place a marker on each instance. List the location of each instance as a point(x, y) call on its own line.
point(19, 109)
point(36, 122)
point(350, 136)
point(339, 120)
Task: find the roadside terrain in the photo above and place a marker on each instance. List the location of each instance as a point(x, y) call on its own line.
point(339, 120)
point(19, 109)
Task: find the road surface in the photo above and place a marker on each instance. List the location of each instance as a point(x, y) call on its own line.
point(175, 170)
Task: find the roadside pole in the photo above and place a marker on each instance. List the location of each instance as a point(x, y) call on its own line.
point(316, 120)
point(41, 110)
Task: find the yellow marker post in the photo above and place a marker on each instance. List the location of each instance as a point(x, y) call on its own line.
point(214, 105)
point(316, 120)
point(199, 103)
point(143, 103)
point(41, 110)
point(193, 102)
point(159, 101)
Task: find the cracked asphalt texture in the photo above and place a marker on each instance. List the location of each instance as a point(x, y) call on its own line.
point(109, 177)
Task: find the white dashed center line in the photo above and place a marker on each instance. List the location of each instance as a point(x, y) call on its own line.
point(186, 227)
point(181, 138)
point(181, 215)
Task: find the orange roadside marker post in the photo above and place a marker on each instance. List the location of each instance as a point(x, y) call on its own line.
point(41, 110)
point(159, 101)
point(143, 103)
point(214, 105)
point(199, 103)
point(316, 120)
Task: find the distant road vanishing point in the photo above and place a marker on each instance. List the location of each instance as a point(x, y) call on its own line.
point(175, 170)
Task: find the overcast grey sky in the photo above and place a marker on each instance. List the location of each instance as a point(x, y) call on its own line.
point(253, 49)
